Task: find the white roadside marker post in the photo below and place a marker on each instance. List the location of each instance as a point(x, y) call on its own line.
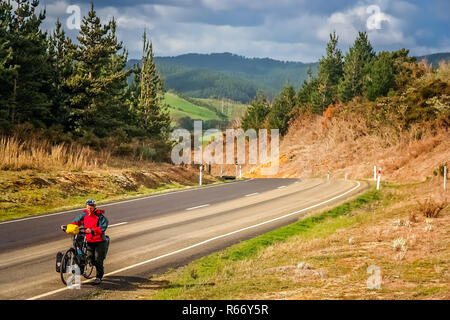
point(328, 175)
point(240, 172)
point(346, 176)
point(379, 178)
point(221, 171)
point(374, 173)
point(236, 175)
point(445, 177)
point(201, 167)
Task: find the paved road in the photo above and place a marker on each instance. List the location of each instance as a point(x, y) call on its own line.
point(151, 234)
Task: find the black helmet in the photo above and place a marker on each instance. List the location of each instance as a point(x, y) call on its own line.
point(90, 202)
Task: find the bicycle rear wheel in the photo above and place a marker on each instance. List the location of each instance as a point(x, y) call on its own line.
point(70, 268)
point(88, 268)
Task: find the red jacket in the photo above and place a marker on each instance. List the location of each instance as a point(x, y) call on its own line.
point(97, 223)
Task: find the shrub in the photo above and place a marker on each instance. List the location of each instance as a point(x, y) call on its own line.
point(399, 244)
point(146, 153)
point(124, 149)
point(441, 170)
point(430, 208)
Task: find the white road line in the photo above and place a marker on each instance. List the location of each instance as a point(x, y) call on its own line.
point(124, 201)
point(203, 205)
point(251, 194)
point(117, 224)
point(281, 187)
point(203, 242)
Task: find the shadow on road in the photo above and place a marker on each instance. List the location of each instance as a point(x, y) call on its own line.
point(128, 283)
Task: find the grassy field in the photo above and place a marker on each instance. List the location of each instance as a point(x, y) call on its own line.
point(328, 255)
point(181, 108)
point(229, 108)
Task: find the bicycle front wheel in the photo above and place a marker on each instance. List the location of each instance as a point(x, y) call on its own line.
point(70, 269)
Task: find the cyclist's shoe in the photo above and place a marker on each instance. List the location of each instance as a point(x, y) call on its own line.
point(97, 281)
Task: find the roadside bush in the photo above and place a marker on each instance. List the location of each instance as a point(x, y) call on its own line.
point(91, 140)
point(146, 153)
point(430, 208)
point(441, 170)
point(124, 150)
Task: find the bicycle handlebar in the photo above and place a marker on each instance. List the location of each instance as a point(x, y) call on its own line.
point(64, 228)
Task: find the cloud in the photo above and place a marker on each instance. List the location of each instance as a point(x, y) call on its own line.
point(284, 29)
point(385, 31)
point(403, 9)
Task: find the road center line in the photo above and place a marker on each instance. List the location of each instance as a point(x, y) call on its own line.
point(203, 205)
point(117, 224)
point(204, 242)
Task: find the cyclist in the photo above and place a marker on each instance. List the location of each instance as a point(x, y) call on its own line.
point(96, 224)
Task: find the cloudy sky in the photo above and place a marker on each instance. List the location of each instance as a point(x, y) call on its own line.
point(295, 30)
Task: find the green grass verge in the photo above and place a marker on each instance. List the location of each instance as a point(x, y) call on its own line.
point(195, 281)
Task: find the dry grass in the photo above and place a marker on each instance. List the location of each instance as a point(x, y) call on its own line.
point(310, 149)
point(25, 193)
point(354, 137)
point(431, 208)
point(36, 154)
point(32, 171)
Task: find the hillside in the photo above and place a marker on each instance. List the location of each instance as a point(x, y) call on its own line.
point(226, 75)
point(435, 58)
point(213, 112)
point(406, 135)
point(231, 109)
point(180, 107)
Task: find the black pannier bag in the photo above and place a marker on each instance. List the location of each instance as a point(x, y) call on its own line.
point(59, 257)
point(107, 239)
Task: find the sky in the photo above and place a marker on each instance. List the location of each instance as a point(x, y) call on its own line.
point(289, 30)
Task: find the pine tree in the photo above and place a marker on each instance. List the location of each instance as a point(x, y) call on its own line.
point(304, 95)
point(62, 52)
point(8, 72)
point(355, 68)
point(280, 113)
point(148, 91)
point(120, 118)
point(330, 71)
point(27, 89)
point(380, 77)
point(98, 84)
point(256, 113)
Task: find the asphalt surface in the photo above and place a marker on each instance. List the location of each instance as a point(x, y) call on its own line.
point(151, 234)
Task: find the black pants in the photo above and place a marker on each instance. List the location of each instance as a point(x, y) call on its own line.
point(97, 252)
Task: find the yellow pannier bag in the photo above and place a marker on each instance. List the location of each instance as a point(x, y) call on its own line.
point(72, 229)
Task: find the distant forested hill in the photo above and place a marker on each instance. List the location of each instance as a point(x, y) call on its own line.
point(227, 75)
point(434, 59)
